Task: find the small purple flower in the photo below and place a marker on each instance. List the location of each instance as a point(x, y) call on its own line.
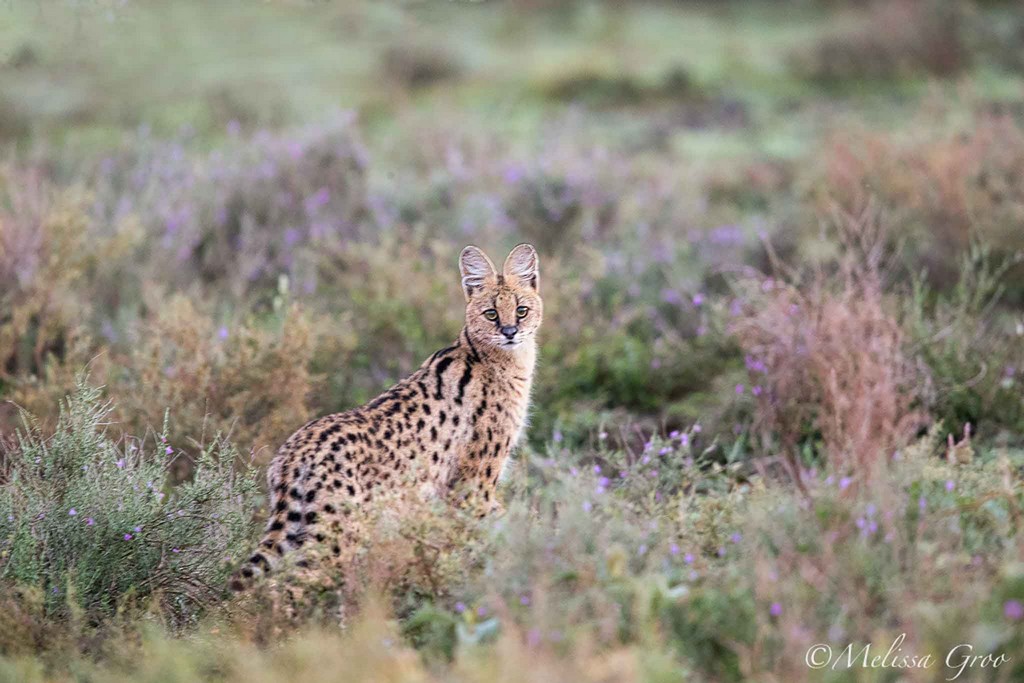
point(120, 463)
point(603, 482)
point(756, 390)
point(534, 637)
point(175, 550)
point(587, 506)
point(922, 503)
point(736, 538)
point(1013, 610)
point(688, 558)
point(481, 611)
point(138, 529)
point(524, 600)
point(597, 469)
point(319, 199)
point(950, 485)
point(684, 440)
point(168, 450)
point(665, 451)
point(844, 483)
point(72, 512)
point(674, 434)
point(127, 537)
point(698, 300)
point(642, 550)
point(721, 552)
point(557, 436)
point(674, 549)
point(89, 521)
point(222, 332)
point(740, 389)
point(460, 607)
point(775, 610)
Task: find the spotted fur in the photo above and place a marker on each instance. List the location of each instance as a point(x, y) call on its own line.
point(446, 430)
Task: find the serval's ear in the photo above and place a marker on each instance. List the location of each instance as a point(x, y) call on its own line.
point(476, 268)
point(523, 267)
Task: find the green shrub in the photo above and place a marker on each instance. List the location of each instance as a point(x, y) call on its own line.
point(90, 521)
point(974, 356)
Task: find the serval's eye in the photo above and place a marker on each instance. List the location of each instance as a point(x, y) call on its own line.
point(521, 312)
point(491, 314)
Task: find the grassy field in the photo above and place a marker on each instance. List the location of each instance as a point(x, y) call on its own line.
point(779, 403)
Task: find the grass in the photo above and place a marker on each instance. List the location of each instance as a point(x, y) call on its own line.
point(779, 396)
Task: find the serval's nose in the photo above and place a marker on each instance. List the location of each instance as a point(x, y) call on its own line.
point(509, 331)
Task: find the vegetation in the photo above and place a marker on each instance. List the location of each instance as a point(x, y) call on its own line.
point(779, 401)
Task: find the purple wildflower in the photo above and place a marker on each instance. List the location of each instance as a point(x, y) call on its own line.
point(1013, 610)
point(72, 512)
point(775, 610)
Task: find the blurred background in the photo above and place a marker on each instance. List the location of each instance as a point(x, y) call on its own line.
point(250, 214)
point(779, 394)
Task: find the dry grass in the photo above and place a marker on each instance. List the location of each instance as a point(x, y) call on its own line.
point(828, 358)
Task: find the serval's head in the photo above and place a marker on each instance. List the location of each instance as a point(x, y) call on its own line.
point(503, 309)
